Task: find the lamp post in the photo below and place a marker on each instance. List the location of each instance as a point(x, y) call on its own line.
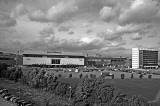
point(70, 92)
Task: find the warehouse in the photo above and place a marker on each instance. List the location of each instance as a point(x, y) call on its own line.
point(53, 59)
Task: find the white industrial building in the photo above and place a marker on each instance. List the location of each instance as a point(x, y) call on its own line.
point(135, 58)
point(54, 59)
point(144, 58)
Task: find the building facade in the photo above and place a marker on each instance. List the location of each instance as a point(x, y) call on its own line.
point(144, 58)
point(119, 62)
point(97, 61)
point(53, 59)
point(104, 61)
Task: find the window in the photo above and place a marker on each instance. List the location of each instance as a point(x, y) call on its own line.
point(55, 61)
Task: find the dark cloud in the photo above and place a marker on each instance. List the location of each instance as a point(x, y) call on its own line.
point(66, 10)
point(57, 13)
point(109, 36)
point(77, 46)
point(109, 14)
point(64, 28)
point(19, 10)
point(147, 11)
point(71, 33)
point(66, 45)
point(131, 29)
point(37, 15)
point(117, 51)
point(136, 36)
point(6, 20)
point(89, 31)
point(47, 32)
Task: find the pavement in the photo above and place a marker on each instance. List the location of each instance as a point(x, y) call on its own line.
point(6, 103)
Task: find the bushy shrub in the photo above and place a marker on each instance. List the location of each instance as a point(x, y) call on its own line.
point(92, 91)
point(59, 75)
point(70, 76)
point(141, 76)
point(149, 76)
point(122, 76)
point(132, 76)
point(81, 75)
point(62, 89)
point(113, 76)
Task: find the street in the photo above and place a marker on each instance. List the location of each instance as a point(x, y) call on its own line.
point(6, 103)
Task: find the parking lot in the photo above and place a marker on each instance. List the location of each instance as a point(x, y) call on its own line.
point(6, 103)
point(8, 99)
point(117, 74)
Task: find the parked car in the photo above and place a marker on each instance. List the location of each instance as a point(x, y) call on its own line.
point(5, 94)
point(8, 97)
point(3, 90)
point(106, 74)
point(19, 102)
point(12, 98)
point(26, 104)
point(16, 99)
point(29, 104)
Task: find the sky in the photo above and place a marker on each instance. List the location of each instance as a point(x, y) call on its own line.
point(106, 27)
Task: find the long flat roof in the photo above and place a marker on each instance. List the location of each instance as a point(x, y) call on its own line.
point(149, 49)
point(52, 53)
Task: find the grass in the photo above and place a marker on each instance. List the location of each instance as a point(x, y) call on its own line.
point(37, 96)
point(147, 88)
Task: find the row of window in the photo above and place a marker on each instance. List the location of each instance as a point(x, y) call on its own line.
point(55, 61)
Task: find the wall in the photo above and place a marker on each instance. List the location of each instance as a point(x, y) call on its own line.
point(47, 61)
point(135, 58)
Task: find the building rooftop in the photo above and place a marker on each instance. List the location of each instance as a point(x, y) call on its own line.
point(144, 49)
point(53, 53)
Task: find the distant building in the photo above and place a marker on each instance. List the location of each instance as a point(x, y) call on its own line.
point(118, 62)
point(105, 61)
point(97, 61)
point(144, 58)
point(54, 59)
point(7, 58)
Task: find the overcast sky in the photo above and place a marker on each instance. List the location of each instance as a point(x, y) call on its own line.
point(108, 27)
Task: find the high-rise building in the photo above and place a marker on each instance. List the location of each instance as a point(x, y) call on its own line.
point(144, 58)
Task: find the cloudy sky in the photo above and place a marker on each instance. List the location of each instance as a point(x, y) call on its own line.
point(108, 27)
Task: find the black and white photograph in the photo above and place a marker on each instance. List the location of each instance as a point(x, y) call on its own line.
point(79, 52)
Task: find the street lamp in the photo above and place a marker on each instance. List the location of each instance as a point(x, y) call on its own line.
point(70, 92)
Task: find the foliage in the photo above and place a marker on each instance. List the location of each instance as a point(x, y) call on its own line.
point(85, 91)
point(122, 76)
point(81, 75)
point(92, 91)
point(141, 76)
point(70, 76)
point(62, 89)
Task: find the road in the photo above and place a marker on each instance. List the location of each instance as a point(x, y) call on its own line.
point(6, 103)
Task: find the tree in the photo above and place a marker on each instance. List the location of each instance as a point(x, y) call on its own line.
point(122, 76)
point(81, 75)
point(62, 89)
point(91, 91)
point(70, 75)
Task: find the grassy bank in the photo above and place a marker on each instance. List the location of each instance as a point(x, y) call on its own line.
point(37, 96)
point(144, 87)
